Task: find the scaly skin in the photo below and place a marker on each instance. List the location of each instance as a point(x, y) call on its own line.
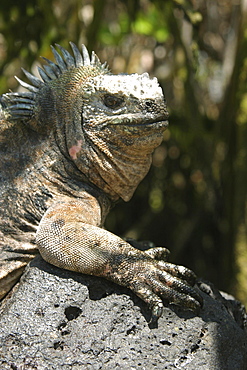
point(72, 146)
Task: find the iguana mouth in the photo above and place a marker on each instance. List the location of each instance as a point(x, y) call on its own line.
point(157, 122)
point(149, 125)
point(160, 123)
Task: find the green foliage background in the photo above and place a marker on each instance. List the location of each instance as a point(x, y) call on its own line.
point(194, 199)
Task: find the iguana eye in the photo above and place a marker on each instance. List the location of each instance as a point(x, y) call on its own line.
point(112, 101)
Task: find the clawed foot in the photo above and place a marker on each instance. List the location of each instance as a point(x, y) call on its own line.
point(170, 282)
point(153, 279)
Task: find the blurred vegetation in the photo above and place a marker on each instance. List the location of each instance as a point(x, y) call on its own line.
point(194, 199)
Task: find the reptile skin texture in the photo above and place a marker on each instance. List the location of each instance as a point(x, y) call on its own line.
point(73, 143)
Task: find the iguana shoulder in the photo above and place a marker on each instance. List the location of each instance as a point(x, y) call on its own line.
point(78, 140)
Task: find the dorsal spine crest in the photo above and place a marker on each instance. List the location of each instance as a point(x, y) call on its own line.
point(21, 105)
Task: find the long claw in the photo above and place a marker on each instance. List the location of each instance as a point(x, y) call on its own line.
point(180, 272)
point(157, 311)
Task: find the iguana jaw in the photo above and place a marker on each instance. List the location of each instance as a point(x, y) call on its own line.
point(138, 121)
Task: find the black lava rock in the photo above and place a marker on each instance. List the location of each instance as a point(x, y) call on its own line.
point(56, 319)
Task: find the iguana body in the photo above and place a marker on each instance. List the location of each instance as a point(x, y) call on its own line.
point(71, 146)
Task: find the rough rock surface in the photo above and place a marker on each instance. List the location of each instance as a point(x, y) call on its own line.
point(56, 319)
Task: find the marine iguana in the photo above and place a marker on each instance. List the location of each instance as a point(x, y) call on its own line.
point(71, 146)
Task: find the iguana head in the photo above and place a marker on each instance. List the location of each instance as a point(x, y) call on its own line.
point(107, 125)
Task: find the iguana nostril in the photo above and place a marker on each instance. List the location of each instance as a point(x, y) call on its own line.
point(150, 106)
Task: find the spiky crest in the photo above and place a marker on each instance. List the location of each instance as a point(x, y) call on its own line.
point(20, 105)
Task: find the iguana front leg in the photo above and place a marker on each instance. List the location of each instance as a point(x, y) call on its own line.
point(69, 237)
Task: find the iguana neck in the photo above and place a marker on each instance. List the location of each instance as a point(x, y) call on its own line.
point(116, 169)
